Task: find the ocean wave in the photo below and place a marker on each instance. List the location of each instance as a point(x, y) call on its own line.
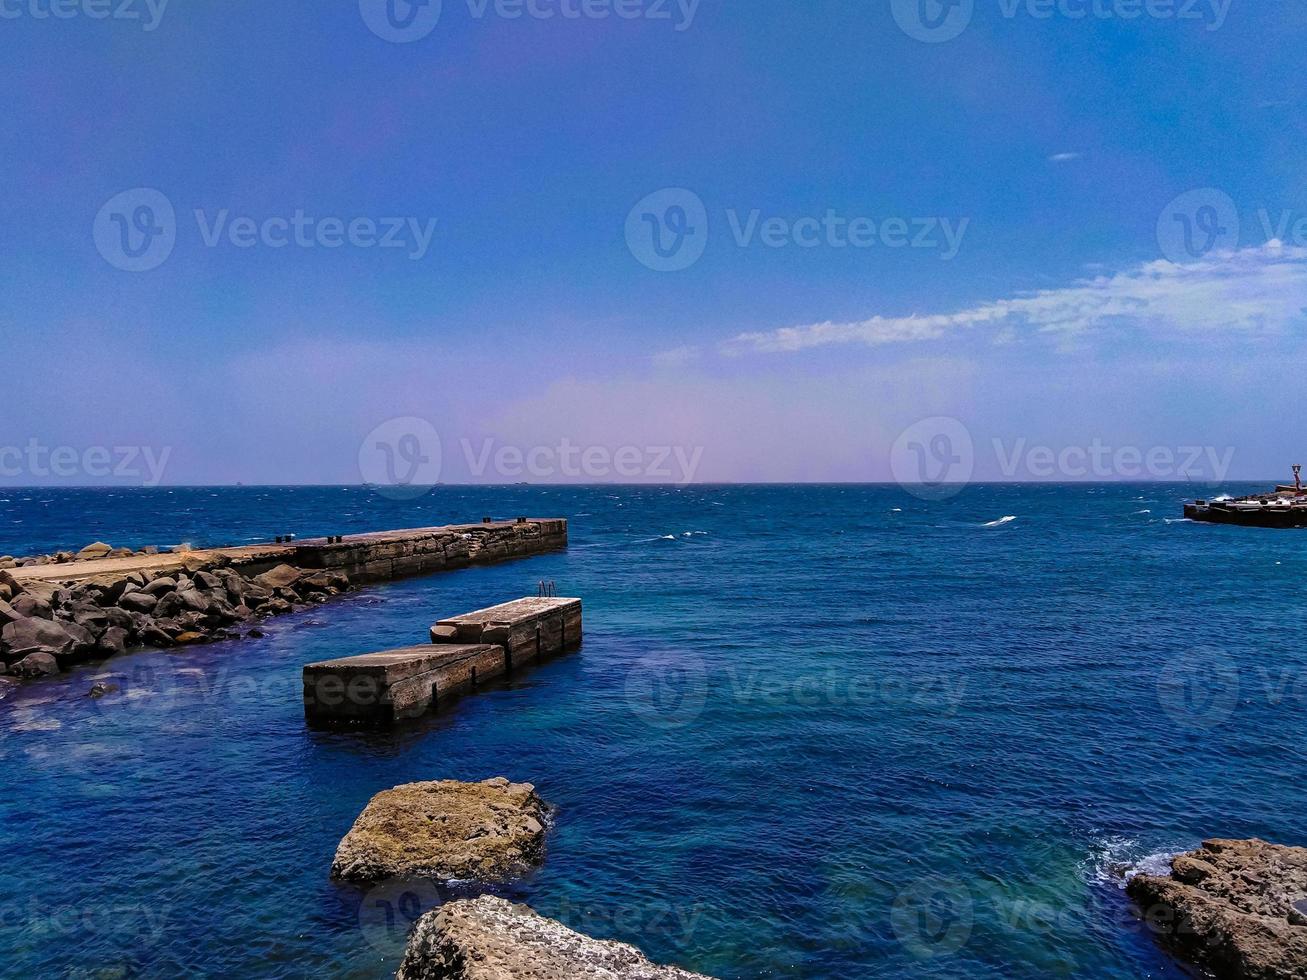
point(1114, 861)
point(1143, 512)
point(1179, 520)
point(1001, 521)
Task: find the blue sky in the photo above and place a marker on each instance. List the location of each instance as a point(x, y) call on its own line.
point(1052, 147)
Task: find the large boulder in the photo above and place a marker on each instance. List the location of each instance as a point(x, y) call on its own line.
point(27, 636)
point(97, 550)
point(141, 602)
point(1238, 908)
point(8, 614)
point(9, 586)
point(281, 577)
point(491, 831)
point(36, 665)
point(158, 586)
point(28, 605)
point(490, 939)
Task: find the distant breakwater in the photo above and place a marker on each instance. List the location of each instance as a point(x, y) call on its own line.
point(54, 616)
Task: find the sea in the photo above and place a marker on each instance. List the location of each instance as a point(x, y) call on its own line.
point(822, 732)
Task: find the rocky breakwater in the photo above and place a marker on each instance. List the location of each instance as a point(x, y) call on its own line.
point(1237, 908)
point(68, 608)
point(490, 939)
point(49, 626)
point(492, 831)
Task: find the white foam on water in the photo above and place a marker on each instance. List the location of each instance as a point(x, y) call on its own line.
point(1001, 521)
point(1143, 512)
point(1179, 520)
point(1114, 861)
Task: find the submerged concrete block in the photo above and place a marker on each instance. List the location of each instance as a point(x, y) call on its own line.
point(389, 686)
point(527, 629)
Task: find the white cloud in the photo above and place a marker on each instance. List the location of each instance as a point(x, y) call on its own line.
point(1063, 157)
point(1253, 290)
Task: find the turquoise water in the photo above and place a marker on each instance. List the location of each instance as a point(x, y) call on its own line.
point(825, 732)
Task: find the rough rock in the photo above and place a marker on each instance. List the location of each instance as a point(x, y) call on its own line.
point(102, 689)
point(490, 939)
point(29, 605)
point(141, 602)
point(28, 636)
point(188, 637)
point(159, 586)
point(8, 614)
point(36, 665)
point(9, 586)
point(491, 831)
point(281, 577)
point(97, 550)
point(1238, 908)
point(114, 641)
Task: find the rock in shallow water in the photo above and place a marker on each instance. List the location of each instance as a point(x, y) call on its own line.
point(1235, 907)
point(491, 832)
point(491, 939)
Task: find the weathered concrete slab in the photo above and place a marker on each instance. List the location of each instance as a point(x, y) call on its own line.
point(527, 629)
point(391, 685)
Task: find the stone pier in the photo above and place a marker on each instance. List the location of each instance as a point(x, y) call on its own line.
point(380, 689)
point(376, 556)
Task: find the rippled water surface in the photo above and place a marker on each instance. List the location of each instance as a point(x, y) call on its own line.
point(826, 732)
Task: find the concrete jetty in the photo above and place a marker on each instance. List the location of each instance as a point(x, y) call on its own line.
point(527, 629)
point(372, 557)
point(392, 685)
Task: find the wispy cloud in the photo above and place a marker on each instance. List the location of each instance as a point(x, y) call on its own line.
point(1262, 289)
point(1063, 157)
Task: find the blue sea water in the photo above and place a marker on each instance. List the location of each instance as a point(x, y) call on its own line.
point(821, 732)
